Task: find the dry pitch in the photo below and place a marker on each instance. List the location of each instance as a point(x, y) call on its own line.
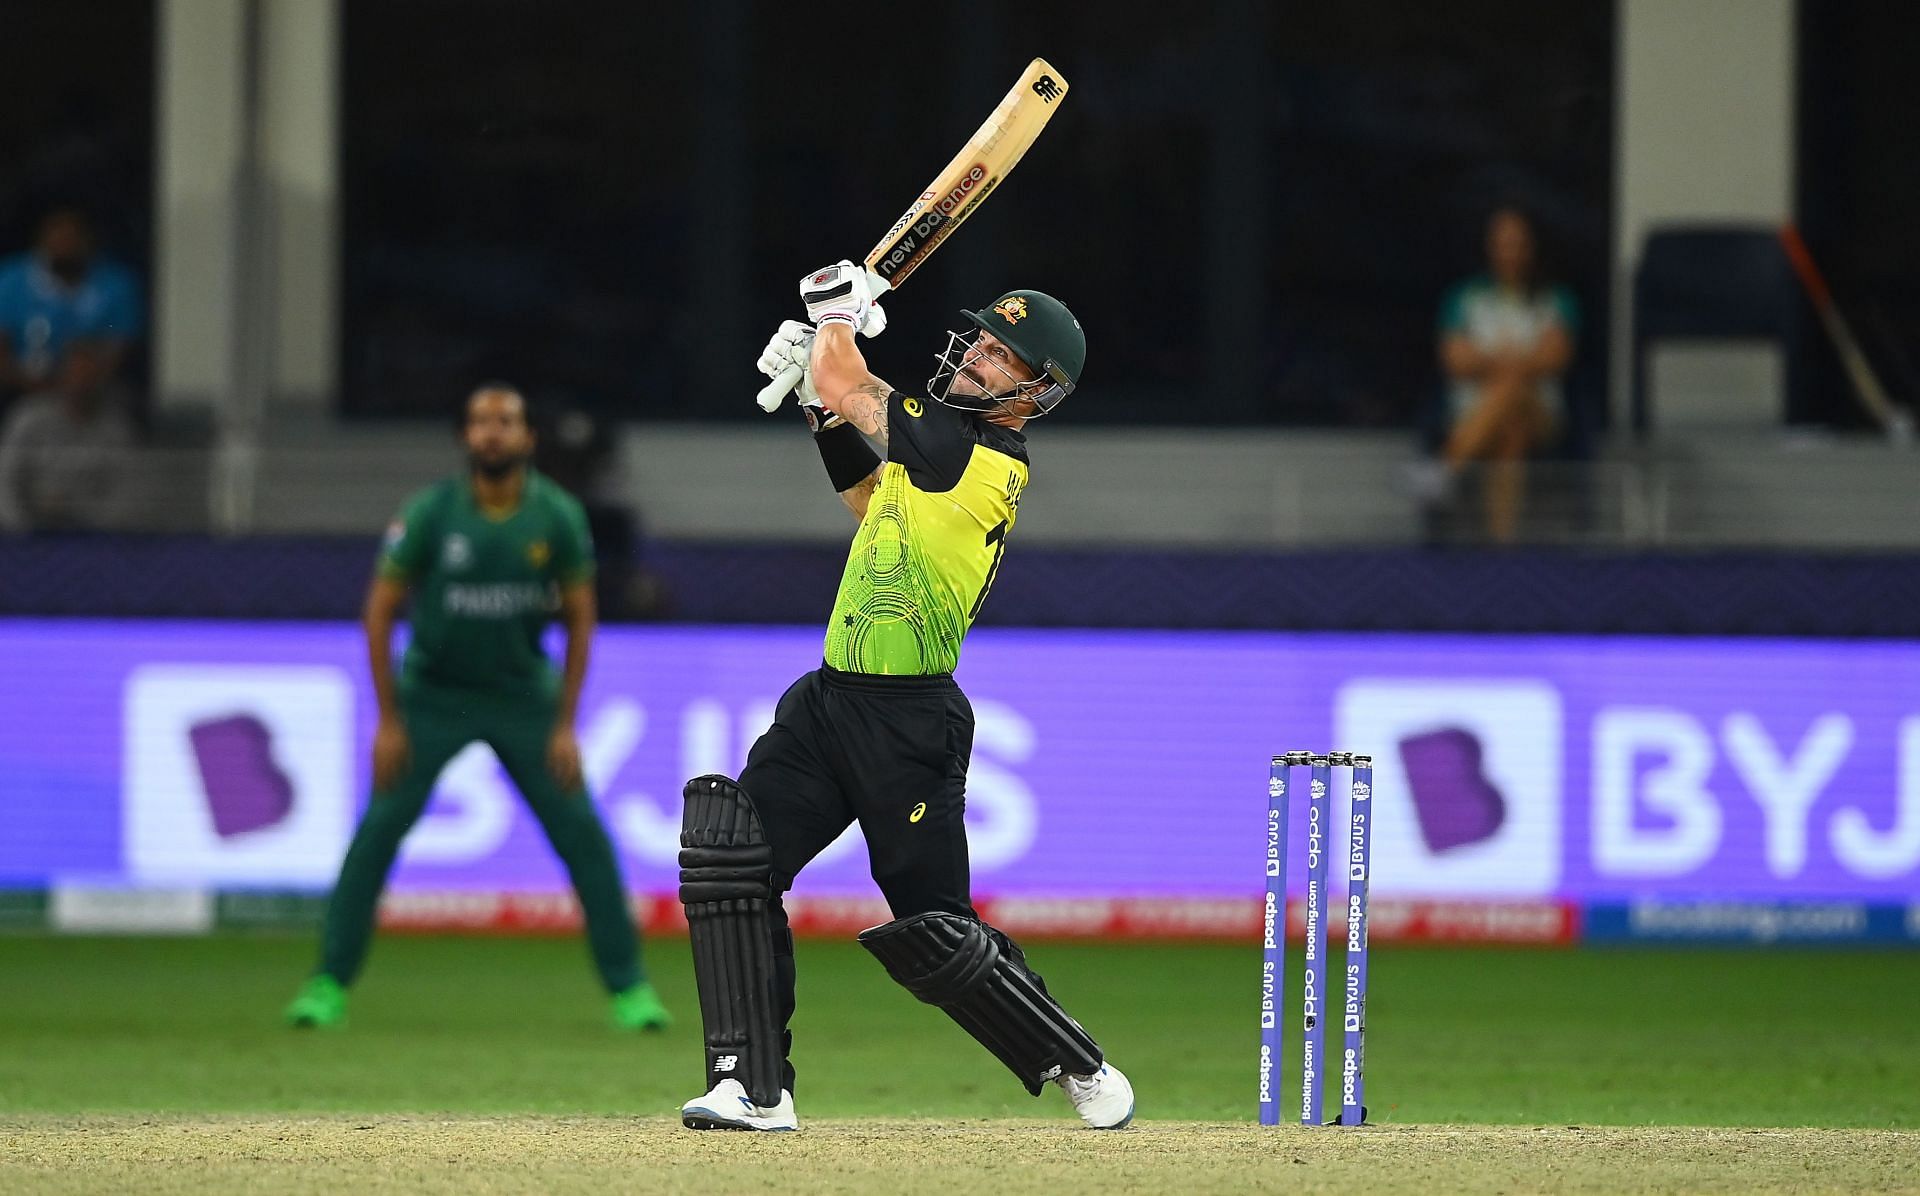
point(470, 1156)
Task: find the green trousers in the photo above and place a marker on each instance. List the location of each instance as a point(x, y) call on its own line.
point(440, 721)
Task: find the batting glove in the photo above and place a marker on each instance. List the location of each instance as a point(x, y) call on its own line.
point(791, 346)
point(838, 293)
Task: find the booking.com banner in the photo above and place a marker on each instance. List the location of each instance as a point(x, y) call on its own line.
point(1106, 764)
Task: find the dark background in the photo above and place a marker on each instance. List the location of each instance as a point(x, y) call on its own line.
point(1254, 207)
point(1858, 142)
point(76, 124)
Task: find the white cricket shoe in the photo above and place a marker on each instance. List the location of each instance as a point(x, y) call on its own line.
point(728, 1107)
point(1104, 1099)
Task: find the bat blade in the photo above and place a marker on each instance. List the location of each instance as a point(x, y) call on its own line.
point(955, 193)
point(958, 191)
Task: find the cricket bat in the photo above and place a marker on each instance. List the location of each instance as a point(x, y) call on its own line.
point(955, 193)
point(1892, 418)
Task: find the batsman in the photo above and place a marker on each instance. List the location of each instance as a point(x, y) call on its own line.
point(880, 734)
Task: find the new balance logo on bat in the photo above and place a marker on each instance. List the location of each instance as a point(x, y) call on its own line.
point(1046, 88)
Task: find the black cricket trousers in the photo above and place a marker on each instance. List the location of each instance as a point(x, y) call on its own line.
point(890, 753)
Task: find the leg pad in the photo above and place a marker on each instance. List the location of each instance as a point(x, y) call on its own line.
point(726, 882)
point(977, 975)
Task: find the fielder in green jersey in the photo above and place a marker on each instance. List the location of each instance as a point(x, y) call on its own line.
point(489, 559)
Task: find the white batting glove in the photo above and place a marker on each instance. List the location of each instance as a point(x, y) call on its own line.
point(838, 293)
point(791, 344)
point(791, 347)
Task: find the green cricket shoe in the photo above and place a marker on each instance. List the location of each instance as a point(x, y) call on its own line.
point(639, 1008)
point(322, 1002)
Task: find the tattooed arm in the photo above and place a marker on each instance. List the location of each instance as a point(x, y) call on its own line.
point(846, 387)
point(865, 407)
point(851, 392)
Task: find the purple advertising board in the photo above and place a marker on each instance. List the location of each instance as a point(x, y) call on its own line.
point(233, 755)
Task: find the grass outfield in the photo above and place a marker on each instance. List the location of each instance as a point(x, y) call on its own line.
point(486, 1062)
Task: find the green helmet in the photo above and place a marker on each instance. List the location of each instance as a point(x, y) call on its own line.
point(1044, 334)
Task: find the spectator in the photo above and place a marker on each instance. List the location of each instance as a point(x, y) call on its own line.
point(577, 451)
point(1506, 339)
point(61, 296)
point(63, 452)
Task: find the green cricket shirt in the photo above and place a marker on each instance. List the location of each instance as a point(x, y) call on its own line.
point(485, 586)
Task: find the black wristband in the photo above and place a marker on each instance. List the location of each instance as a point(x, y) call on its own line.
point(847, 455)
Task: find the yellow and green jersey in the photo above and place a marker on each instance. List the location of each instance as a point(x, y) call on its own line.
point(927, 550)
point(485, 584)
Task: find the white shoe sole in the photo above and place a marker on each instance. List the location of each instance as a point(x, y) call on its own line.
point(707, 1119)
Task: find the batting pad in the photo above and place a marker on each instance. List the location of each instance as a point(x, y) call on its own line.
point(726, 880)
point(957, 963)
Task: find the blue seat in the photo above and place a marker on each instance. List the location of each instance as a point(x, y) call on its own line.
point(1713, 281)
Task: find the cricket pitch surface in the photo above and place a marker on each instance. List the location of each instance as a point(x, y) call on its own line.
point(476, 1155)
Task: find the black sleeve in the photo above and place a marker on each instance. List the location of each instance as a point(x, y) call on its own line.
point(848, 457)
point(932, 441)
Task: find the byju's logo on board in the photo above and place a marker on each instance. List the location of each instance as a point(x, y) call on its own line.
point(1467, 782)
point(237, 773)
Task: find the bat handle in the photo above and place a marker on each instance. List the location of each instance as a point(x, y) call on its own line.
point(775, 392)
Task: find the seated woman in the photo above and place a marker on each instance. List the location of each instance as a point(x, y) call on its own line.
point(1506, 339)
